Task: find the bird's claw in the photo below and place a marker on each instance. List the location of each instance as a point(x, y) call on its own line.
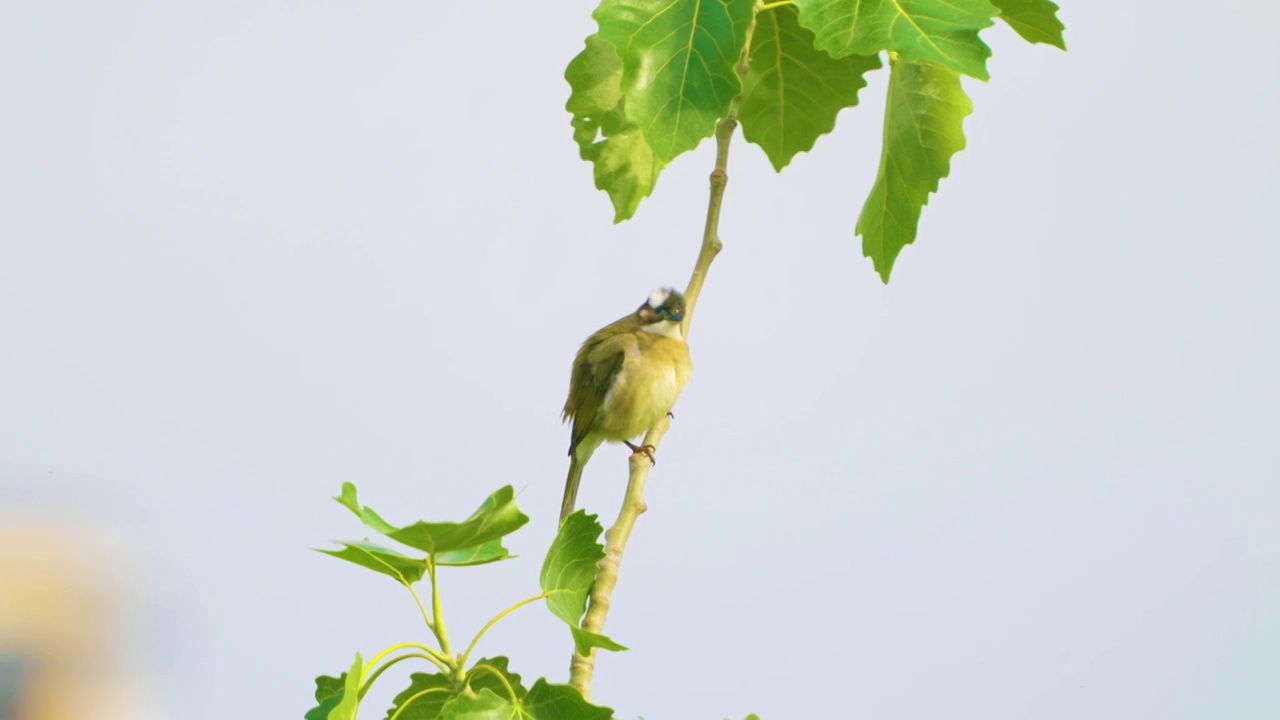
point(646, 450)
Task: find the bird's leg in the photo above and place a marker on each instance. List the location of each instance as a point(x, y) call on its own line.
point(646, 450)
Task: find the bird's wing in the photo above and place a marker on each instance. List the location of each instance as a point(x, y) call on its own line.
point(594, 371)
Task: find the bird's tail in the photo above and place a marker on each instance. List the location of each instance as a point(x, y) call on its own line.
point(571, 486)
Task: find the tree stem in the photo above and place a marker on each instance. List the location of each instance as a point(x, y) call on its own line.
point(582, 667)
point(441, 634)
point(711, 244)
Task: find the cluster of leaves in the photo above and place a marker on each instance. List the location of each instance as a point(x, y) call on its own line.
point(658, 76)
point(460, 688)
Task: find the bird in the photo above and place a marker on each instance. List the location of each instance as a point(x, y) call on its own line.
point(625, 378)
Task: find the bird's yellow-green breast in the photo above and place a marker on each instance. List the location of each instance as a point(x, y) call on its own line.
point(652, 376)
point(629, 374)
point(625, 377)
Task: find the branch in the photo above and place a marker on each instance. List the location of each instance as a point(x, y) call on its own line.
point(582, 667)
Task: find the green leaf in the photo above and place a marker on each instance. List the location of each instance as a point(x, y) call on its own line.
point(349, 500)
point(567, 574)
point(349, 701)
point(595, 80)
point(425, 697)
point(326, 706)
point(1035, 20)
point(487, 705)
point(379, 559)
point(793, 91)
point(546, 701)
point(492, 551)
point(942, 31)
point(584, 640)
point(496, 517)
point(624, 164)
point(328, 694)
point(678, 65)
point(923, 120)
point(570, 566)
point(486, 679)
point(328, 686)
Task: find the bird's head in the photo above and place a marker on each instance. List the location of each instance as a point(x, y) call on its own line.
point(662, 312)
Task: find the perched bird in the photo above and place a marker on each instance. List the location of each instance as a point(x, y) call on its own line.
point(625, 378)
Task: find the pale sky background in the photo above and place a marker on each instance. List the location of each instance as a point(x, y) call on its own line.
point(249, 250)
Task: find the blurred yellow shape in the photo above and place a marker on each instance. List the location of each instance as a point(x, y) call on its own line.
point(58, 655)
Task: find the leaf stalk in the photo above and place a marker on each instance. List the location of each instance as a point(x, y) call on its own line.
point(364, 688)
point(437, 614)
point(462, 661)
point(511, 691)
point(440, 661)
point(418, 598)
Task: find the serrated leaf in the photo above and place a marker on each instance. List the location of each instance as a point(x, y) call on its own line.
point(626, 168)
point(570, 566)
point(485, 679)
point(496, 517)
point(380, 559)
point(326, 706)
point(328, 686)
point(919, 30)
point(793, 91)
point(567, 574)
point(349, 700)
point(923, 120)
point(328, 694)
point(546, 701)
point(678, 65)
point(424, 699)
point(1035, 20)
point(486, 705)
point(624, 165)
point(595, 79)
point(428, 694)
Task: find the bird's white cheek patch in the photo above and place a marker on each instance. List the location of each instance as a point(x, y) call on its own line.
point(665, 328)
